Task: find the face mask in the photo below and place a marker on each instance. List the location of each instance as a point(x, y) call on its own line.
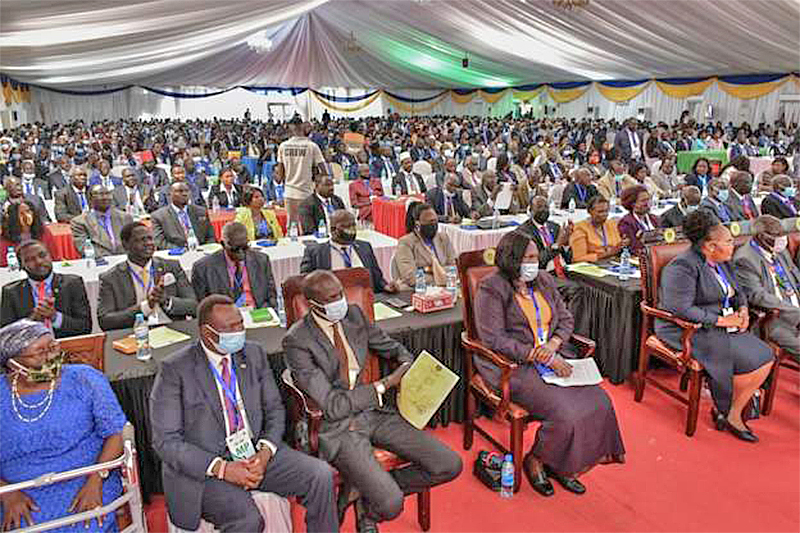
point(541, 216)
point(528, 272)
point(780, 244)
point(347, 237)
point(722, 195)
point(196, 159)
point(691, 209)
point(229, 342)
point(618, 177)
point(428, 231)
point(28, 176)
point(789, 192)
point(334, 311)
point(49, 371)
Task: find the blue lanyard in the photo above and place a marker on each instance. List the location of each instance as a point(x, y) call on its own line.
point(540, 368)
point(345, 256)
point(139, 279)
point(725, 283)
point(581, 192)
point(432, 248)
point(781, 273)
point(229, 392)
point(785, 201)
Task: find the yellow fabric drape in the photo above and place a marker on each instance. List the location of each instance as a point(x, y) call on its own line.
point(562, 96)
point(341, 109)
point(685, 90)
point(528, 95)
point(462, 98)
point(621, 94)
point(492, 98)
point(748, 92)
point(405, 107)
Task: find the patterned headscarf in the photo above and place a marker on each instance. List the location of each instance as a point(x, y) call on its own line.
point(17, 336)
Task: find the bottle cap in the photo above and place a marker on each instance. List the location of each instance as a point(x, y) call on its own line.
point(509, 457)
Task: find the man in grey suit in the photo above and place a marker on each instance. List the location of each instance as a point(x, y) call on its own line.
point(243, 274)
point(628, 143)
point(72, 200)
point(214, 392)
point(155, 287)
point(327, 353)
point(101, 225)
point(173, 223)
point(771, 280)
point(740, 200)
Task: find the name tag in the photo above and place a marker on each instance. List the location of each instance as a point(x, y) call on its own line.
point(727, 311)
point(240, 445)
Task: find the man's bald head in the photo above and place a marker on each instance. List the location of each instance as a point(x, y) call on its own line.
point(691, 195)
point(742, 182)
point(322, 287)
point(538, 203)
point(780, 182)
point(767, 224)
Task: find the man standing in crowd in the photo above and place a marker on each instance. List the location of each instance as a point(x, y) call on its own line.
point(300, 161)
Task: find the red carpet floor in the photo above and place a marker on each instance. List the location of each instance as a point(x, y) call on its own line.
point(710, 482)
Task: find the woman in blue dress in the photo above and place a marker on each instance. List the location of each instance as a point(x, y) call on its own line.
point(54, 418)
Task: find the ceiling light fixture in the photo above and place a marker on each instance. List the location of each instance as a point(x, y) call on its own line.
point(260, 42)
point(351, 44)
point(570, 5)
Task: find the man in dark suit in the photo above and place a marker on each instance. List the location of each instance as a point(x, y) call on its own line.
point(447, 201)
point(552, 168)
point(580, 189)
point(32, 185)
point(72, 200)
point(198, 405)
point(409, 182)
point(151, 176)
point(58, 300)
point(242, 175)
point(102, 176)
point(143, 284)
point(740, 201)
point(195, 174)
point(173, 223)
point(130, 196)
point(384, 165)
point(771, 280)
point(551, 240)
point(780, 202)
point(319, 206)
point(715, 202)
point(690, 201)
point(628, 143)
point(243, 274)
point(327, 352)
point(60, 177)
point(344, 251)
point(101, 225)
point(13, 187)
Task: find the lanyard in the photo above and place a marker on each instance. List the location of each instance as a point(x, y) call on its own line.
point(229, 392)
point(581, 192)
point(727, 286)
point(140, 281)
point(602, 233)
point(546, 235)
point(432, 248)
point(784, 201)
point(540, 334)
point(345, 256)
point(776, 265)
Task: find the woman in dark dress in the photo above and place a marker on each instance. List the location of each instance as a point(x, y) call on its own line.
point(521, 315)
point(636, 200)
point(700, 174)
point(699, 286)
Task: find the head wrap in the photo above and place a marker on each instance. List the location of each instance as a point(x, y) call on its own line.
point(17, 336)
point(404, 156)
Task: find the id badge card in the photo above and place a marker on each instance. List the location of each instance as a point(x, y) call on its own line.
point(727, 311)
point(240, 445)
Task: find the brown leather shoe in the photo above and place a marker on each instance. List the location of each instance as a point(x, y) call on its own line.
point(536, 477)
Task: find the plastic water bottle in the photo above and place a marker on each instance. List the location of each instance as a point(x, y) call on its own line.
point(496, 219)
point(572, 205)
point(215, 203)
point(142, 333)
point(421, 286)
point(281, 310)
point(398, 190)
point(191, 240)
point(452, 282)
point(293, 233)
point(322, 229)
point(279, 192)
point(11, 260)
point(625, 265)
point(507, 477)
point(88, 253)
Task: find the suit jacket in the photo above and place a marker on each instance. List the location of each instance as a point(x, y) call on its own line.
point(547, 252)
point(608, 188)
point(377, 166)
point(735, 206)
point(116, 181)
point(547, 170)
point(210, 276)
point(623, 148)
point(503, 327)
point(224, 198)
point(168, 230)
point(412, 254)
point(692, 179)
point(361, 197)
point(58, 179)
point(772, 205)
point(312, 211)
point(318, 256)
point(673, 218)
point(86, 227)
point(315, 369)
point(629, 227)
point(155, 179)
point(399, 179)
point(117, 306)
point(189, 425)
point(571, 191)
point(67, 205)
point(719, 209)
point(120, 197)
point(70, 298)
point(41, 188)
point(435, 197)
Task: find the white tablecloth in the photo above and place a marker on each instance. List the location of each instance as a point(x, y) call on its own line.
point(285, 259)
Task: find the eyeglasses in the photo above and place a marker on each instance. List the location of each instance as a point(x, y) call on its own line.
point(52, 348)
point(239, 249)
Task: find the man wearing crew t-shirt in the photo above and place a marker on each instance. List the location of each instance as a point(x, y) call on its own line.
point(299, 162)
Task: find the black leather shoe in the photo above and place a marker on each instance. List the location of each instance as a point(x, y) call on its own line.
point(717, 419)
point(569, 483)
point(745, 435)
point(347, 495)
point(537, 479)
point(364, 524)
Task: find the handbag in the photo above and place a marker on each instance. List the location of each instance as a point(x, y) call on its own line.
point(487, 469)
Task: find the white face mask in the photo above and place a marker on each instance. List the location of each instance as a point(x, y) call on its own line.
point(528, 272)
point(334, 311)
point(28, 176)
point(780, 244)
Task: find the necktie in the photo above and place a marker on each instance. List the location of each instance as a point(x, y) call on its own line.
point(185, 221)
point(233, 415)
point(41, 296)
point(328, 207)
point(748, 212)
point(109, 229)
point(345, 257)
point(82, 198)
point(29, 188)
point(341, 353)
point(238, 285)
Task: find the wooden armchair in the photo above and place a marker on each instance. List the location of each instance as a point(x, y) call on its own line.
point(85, 350)
point(652, 259)
point(472, 268)
point(305, 414)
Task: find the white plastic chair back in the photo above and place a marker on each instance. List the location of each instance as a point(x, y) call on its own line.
point(423, 168)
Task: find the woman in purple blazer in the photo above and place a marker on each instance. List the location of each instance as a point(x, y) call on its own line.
point(636, 200)
point(521, 316)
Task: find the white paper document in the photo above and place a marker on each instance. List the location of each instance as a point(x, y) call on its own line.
point(584, 372)
point(503, 200)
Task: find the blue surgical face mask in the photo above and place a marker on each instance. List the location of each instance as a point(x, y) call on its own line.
point(229, 342)
point(789, 192)
point(691, 209)
point(334, 311)
point(722, 195)
point(528, 271)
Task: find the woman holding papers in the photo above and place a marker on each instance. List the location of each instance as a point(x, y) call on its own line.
point(521, 315)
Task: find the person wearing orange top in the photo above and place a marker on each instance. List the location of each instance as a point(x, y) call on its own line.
point(596, 238)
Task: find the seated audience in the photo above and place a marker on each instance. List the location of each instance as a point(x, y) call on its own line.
point(145, 284)
point(362, 190)
point(72, 200)
point(579, 189)
point(780, 202)
point(173, 223)
point(226, 191)
point(60, 177)
point(102, 176)
point(330, 374)
point(236, 271)
point(261, 223)
point(56, 417)
point(14, 195)
point(191, 424)
point(636, 200)
point(690, 201)
point(345, 251)
point(409, 182)
point(521, 316)
point(31, 184)
point(485, 194)
point(551, 240)
point(423, 247)
point(740, 200)
point(448, 202)
point(779, 166)
point(771, 281)
point(319, 206)
point(131, 197)
point(196, 196)
point(597, 238)
point(22, 223)
point(151, 176)
point(700, 174)
point(665, 175)
point(101, 225)
point(57, 300)
point(615, 180)
point(552, 169)
point(717, 201)
point(699, 286)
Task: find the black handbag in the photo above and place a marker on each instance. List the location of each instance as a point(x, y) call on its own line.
point(487, 469)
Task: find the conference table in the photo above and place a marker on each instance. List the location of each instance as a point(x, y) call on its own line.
point(389, 214)
point(285, 259)
point(439, 333)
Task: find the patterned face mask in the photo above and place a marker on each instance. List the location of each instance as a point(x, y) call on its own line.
point(49, 371)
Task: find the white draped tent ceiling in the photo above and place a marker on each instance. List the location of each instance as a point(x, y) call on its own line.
point(403, 43)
